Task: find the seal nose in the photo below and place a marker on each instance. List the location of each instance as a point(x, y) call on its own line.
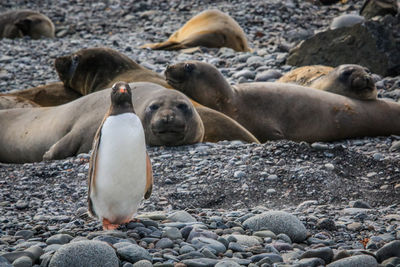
point(168, 117)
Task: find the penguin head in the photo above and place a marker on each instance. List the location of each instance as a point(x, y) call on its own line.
point(121, 97)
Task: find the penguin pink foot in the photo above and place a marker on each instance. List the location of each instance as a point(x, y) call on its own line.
point(109, 226)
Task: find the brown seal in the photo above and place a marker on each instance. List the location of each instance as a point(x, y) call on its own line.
point(285, 111)
point(349, 80)
point(8, 101)
point(52, 94)
point(168, 118)
point(19, 23)
point(93, 69)
point(210, 28)
point(86, 71)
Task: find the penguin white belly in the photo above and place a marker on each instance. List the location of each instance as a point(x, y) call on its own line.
point(120, 169)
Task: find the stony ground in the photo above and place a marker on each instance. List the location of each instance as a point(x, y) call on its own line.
point(342, 192)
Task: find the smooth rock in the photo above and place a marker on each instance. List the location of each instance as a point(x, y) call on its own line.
point(355, 261)
point(389, 250)
point(85, 253)
point(181, 216)
point(134, 253)
point(278, 222)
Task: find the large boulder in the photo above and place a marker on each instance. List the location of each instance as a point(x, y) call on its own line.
point(85, 253)
point(372, 8)
point(373, 44)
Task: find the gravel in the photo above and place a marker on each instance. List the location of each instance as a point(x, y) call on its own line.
point(341, 198)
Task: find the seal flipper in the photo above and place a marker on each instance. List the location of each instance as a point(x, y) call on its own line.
point(167, 45)
point(67, 146)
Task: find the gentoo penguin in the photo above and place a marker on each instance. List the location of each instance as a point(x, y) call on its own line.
point(120, 173)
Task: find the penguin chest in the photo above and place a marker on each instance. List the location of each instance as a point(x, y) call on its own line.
point(120, 168)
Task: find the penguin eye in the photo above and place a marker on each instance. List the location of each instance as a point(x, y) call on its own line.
point(183, 107)
point(189, 67)
point(154, 107)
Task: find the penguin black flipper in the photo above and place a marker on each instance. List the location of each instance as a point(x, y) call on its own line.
point(92, 168)
point(149, 178)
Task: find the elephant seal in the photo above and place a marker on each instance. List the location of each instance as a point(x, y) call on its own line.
point(274, 111)
point(7, 102)
point(93, 69)
point(210, 28)
point(90, 70)
point(168, 118)
point(19, 23)
point(349, 80)
point(52, 94)
point(87, 71)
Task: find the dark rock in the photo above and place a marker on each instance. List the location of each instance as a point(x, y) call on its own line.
point(134, 253)
point(324, 253)
point(355, 261)
point(310, 262)
point(200, 262)
point(372, 8)
point(389, 250)
point(371, 44)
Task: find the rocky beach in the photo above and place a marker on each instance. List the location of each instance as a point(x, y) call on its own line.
point(281, 203)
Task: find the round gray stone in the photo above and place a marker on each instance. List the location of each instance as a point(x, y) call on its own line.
point(134, 253)
point(143, 263)
point(278, 222)
point(59, 239)
point(355, 261)
point(181, 216)
point(227, 263)
point(201, 242)
point(85, 253)
point(24, 261)
point(389, 250)
point(172, 233)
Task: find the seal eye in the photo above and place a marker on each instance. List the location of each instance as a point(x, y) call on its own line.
point(347, 73)
point(75, 59)
point(154, 107)
point(189, 67)
point(183, 107)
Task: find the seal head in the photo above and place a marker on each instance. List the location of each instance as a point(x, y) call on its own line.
point(353, 81)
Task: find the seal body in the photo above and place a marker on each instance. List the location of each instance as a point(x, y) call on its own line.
point(9, 101)
point(274, 111)
point(349, 80)
point(210, 28)
point(70, 128)
point(19, 23)
point(52, 94)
